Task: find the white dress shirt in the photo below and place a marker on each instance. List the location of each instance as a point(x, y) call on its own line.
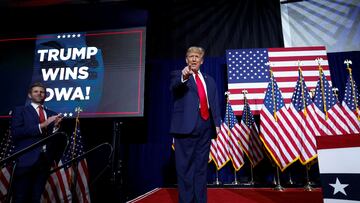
point(203, 82)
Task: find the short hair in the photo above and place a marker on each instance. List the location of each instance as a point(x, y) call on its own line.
point(36, 84)
point(194, 49)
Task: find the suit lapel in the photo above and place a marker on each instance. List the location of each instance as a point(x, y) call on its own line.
point(192, 83)
point(207, 84)
point(32, 110)
point(33, 113)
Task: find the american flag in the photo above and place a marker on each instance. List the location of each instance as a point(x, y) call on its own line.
point(247, 70)
point(249, 136)
point(276, 131)
point(229, 130)
point(71, 182)
point(303, 116)
point(331, 119)
point(351, 104)
point(219, 150)
point(6, 149)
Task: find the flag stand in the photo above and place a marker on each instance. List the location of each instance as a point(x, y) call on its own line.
point(235, 182)
point(290, 182)
point(274, 180)
point(308, 187)
point(74, 178)
point(217, 182)
point(278, 186)
point(116, 162)
point(251, 182)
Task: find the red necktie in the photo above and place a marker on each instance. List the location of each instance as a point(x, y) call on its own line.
point(41, 114)
point(204, 110)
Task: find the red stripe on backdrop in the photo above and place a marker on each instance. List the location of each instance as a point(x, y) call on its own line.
point(343, 141)
point(294, 79)
point(257, 90)
point(295, 58)
point(253, 101)
point(320, 48)
point(303, 68)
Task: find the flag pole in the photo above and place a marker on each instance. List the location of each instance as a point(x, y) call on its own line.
point(73, 179)
point(302, 89)
point(308, 187)
point(235, 182)
point(319, 60)
point(348, 62)
point(290, 181)
point(274, 182)
point(278, 186)
point(277, 182)
point(217, 182)
point(251, 182)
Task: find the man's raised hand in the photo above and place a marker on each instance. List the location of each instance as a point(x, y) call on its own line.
point(186, 72)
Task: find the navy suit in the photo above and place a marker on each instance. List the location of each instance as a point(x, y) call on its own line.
point(192, 135)
point(32, 168)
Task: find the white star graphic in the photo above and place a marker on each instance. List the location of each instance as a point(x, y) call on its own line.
point(338, 187)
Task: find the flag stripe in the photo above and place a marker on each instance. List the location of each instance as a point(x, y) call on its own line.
point(353, 121)
point(272, 137)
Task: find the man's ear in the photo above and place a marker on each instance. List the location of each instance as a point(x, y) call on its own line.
point(29, 95)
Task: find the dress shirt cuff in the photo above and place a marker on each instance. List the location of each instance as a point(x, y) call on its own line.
point(40, 129)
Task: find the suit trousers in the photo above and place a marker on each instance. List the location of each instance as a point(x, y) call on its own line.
point(191, 157)
point(29, 182)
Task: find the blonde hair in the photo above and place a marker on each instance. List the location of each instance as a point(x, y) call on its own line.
point(194, 49)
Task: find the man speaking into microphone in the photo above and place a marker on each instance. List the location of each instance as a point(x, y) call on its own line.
point(195, 120)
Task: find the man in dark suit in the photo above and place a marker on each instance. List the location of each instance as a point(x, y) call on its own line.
point(195, 120)
point(30, 124)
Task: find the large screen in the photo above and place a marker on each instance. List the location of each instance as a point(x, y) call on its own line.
point(102, 72)
point(334, 24)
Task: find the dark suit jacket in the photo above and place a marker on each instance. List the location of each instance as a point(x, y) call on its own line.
point(186, 103)
point(25, 131)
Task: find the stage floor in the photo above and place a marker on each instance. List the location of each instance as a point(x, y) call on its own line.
point(233, 195)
